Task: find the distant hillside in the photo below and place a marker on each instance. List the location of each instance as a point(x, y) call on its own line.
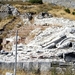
point(15, 0)
point(66, 3)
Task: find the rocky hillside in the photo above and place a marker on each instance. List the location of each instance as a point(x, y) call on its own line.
point(26, 21)
point(66, 3)
point(15, 0)
point(46, 35)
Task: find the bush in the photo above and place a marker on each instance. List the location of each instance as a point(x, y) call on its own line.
point(67, 10)
point(36, 1)
point(1, 47)
point(73, 13)
point(0, 19)
point(10, 17)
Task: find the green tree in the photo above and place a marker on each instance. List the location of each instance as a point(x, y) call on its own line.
point(67, 10)
point(36, 1)
point(0, 19)
point(73, 13)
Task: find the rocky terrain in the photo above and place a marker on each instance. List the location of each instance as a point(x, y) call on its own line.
point(66, 3)
point(42, 39)
point(54, 41)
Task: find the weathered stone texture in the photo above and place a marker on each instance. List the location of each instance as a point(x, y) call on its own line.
point(27, 66)
point(66, 3)
point(15, 0)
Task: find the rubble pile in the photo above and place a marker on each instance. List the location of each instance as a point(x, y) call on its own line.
point(48, 44)
point(54, 43)
point(26, 17)
point(44, 15)
point(53, 21)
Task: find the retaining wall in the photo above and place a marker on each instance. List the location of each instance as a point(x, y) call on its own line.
point(27, 66)
point(30, 66)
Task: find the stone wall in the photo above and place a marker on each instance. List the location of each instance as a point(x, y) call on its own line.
point(66, 3)
point(27, 66)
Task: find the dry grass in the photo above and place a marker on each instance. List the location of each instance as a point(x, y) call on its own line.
point(15, 2)
point(24, 31)
point(19, 72)
point(3, 22)
point(55, 10)
point(62, 13)
point(10, 25)
point(22, 72)
point(53, 71)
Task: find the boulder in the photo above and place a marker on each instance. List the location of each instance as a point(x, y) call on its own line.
point(10, 10)
point(8, 73)
point(4, 52)
point(15, 12)
point(50, 46)
point(64, 44)
point(53, 42)
point(26, 17)
point(71, 30)
point(44, 15)
point(19, 25)
point(29, 16)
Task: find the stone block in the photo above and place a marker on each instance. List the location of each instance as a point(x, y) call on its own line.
point(8, 73)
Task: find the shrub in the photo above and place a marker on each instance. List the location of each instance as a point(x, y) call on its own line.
point(0, 19)
point(67, 10)
point(10, 16)
point(73, 13)
point(54, 71)
point(1, 47)
point(36, 1)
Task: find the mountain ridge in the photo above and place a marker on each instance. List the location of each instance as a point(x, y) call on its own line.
point(66, 3)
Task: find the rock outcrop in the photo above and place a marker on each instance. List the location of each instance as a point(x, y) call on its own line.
point(66, 3)
point(69, 3)
point(7, 10)
point(53, 44)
